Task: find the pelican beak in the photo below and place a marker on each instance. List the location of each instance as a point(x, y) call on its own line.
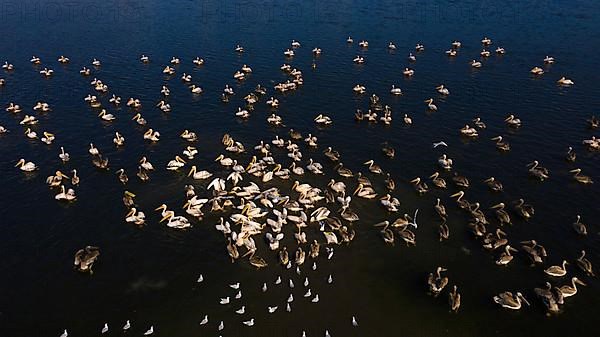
point(129, 194)
point(192, 171)
point(161, 207)
point(455, 195)
point(186, 204)
point(357, 189)
point(166, 217)
point(414, 181)
point(130, 213)
point(496, 206)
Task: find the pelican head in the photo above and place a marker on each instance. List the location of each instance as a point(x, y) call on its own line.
point(21, 162)
point(166, 217)
point(359, 188)
point(162, 207)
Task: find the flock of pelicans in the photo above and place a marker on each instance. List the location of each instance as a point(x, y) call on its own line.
point(257, 204)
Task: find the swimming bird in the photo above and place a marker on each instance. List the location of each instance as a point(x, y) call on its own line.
point(585, 264)
point(85, 258)
point(581, 178)
point(557, 271)
point(454, 299)
point(511, 301)
point(104, 328)
point(127, 325)
point(26, 166)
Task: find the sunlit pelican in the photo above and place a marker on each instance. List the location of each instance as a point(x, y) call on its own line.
point(445, 162)
point(47, 72)
point(537, 171)
point(84, 260)
point(419, 47)
point(65, 195)
point(468, 131)
point(363, 44)
point(323, 120)
point(359, 60)
point(585, 264)
point(63, 155)
point(31, 134)
point(28, 120)
point(501, 214)
point(436, 282)
point(178, 221)
point(139, 119)
point(509, 301)
point(106, 116)
point(175, 164)
point(239, 49)
point(374, 168)
point(494, 184)
point(505, 258)
point(537, 71)
point(579, 227)
point(96, 63)
point(451, 52)
point(548, 60)
point(524, 210)
point(198, 61)
point(581, 178)
point(395, 91)
point(26, 166)
point(430, 105)
point(93, 150)
point(557, 271)
point(408, 72)
point(360, 89)
point(74, 178)
point(570, 290)
point(456, 44)
point(152, 135)
point(500, 144)
point(438, 181)
point(175, 60)
point(475, 64)
point(8, 66)
point(317, 51)
point(500, 51)
point(407, 120)
point(454, 299)
point(35, 60)
point(565, 81)
point(133, 216)
point(442, 90)
point(14, 108)
point(168, 70)
point(512, 121)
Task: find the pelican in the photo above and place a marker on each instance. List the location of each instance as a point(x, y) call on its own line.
point(14, 108)
point(26, 166)
point(133, 216)
point(407, 120)
point(391, 46)
point(178, 222)
point(538, 171)
point(31, 134)
point(168, 70)
point(548, 59)
point(359, 60)
point(430, 105)
point(500, 51)
point(195, 90)
point(175, 164)
point(557, 271)
point(570, 290)
point(75, 178)
point(96, 63)
point(47, 72)
point(565, 81)
point(411, 57)
point(175, 60)
point(363, 44)
point(475, 64)
point(454, 299)
point(198, 61)
point(537, 71)
point(440, 209)
point(494, 184)
point(445, 162)
point(374, 168)
point(509, 301)
point(547, 297)
point(349, 39)
point(152, 135)
point(442, 90)
point(436, 282)
point(48, 138)
point(585, 264)
point(408, 72)
point(468, 131)
point(500, 144)
point(464, 204)
point(8, 66)
point(420, 187)
point(512, 121)
point(35, 60)
point(395, 91)
point(67, 195)
point(581, 178)
point(360, 89)
point(63, 155)
point(139, 119)
point(505, 257)
point(119, 140)
point(28, 120)
point(323, 120)
point(85, 259)
point(444, 231)
point(579, 227)
point(501, 214)
point(571, 155)
point(106, 116)
point(460, 181)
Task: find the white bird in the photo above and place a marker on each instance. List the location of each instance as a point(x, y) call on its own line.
point(264, 287)
point(204, 320)
point(221, 326)
point(291, 283)
point(442, 143)
point(105, 328)
point(306, 282)
point(330, 279)
point(272, 309)
point(241, 310)
point(314, 266)
point(225, 300)
point(290, 298)
point(354, 322)
point(238, 295)
point(127, 325)
point(327, 333)
point(149, 331)
point(250, 322)
point(315, 299)
point(288, 308)
point(235, 286)
point(200, 278)
point(278, 281)
point(308, 293)
point(65, 333)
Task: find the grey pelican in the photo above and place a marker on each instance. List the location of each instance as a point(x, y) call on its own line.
point(511, 301)
point(85, 258)
point(585, 264)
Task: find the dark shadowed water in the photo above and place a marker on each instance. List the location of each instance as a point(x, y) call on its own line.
point(149, 275)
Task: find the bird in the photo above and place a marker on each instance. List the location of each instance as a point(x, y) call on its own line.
point(149, 331)
point(127, 325)
point(204, 320)
point(354, 322)
point(272, 309)
point(221, 326)
point(241, 310)
point(105, 328)
point(64, 334)
point(442, 143)
point(200, 279)
point(249, 323)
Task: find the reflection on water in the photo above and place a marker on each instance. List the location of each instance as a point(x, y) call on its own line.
point(149, 275)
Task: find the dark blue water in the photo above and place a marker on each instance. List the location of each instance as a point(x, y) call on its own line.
point(148, 275)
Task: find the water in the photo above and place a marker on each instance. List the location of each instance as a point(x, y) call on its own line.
point(148, 275)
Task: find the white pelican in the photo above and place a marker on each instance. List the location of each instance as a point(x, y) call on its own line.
point(93, 150)
point(475, 64)
point(391, 46)
point(445, 162)
point(63, 59)
point(7, 66)
point(565, 81)
point(246, 69)
point(548, 59)
point(118, 140)
point(47, 72)
point(195, 90)
point(28, 120)
point(175, 60)
point(139, 119)
point(198, 61)
point(500, 51)
point(106, 116)
point(152, 135)
point(63, 155)
point(509, 301)
point(144, 58)
point(190, 152)
point(557, 271)
point(443, 90)
point(408, 72)
point(359, 89)
point(430, 105)
point(35, 60)
point(349, 39)
point(199, 175)
point(485, 53)
point(175, 164)
point(317, 51)
point(67, 196)
point(395, 91)
point(146, 165)
point(359, 60)
point(239, 49)
point(14, 108)
point(96, 63)
point(30, 134)
point(537, 71)
point(189, 135)
point(323, 120)
point(26, 166)
point(168, 70)
point(486, 41)
point(407, 120)
point(363, 44)
point(85, 71)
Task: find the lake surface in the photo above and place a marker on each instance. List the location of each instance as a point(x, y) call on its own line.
point(148, 275)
